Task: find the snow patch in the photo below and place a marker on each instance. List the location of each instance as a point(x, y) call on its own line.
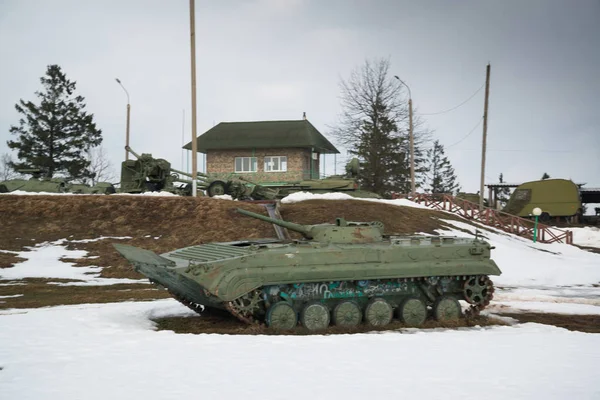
point(587, 236)
point(303, 196)
point(223, 197)
point(47, 260)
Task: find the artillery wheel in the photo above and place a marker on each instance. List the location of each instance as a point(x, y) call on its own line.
point(315, 317)
point(216, 188)
point(282, 316)
point(378, 312)
point(478, 290)
point(347, 313)
point(413, 311)
point(446, 308)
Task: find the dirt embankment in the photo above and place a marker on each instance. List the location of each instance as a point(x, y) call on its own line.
point(159, 224)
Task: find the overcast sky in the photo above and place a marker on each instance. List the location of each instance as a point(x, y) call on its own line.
point(274, 59)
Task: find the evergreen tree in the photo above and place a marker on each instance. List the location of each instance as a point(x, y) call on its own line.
point(440, 174)
point(503, 193)
point(379, 166)
point(545, 176)
point(55, 134)
point(374, 127)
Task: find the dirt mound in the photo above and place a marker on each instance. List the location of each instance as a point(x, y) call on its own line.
point(166, 223)
point(159, 224)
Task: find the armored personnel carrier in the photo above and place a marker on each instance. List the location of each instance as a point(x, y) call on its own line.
point(345, 273)
point(37, 184)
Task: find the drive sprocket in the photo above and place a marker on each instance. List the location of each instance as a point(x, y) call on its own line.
point(244, 307)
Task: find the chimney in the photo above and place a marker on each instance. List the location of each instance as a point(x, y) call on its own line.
point(304, 115)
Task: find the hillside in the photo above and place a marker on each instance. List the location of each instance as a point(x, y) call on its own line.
point(86, 226)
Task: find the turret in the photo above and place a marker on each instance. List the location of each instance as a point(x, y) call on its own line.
point(341, 232)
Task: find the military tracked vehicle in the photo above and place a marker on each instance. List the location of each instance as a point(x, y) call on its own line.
point(37, 184)
point(345, 273)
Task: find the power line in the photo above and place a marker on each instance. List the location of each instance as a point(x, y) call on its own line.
point(467, 135)
point(463, 138)
point(532, 150)
point(454, 108)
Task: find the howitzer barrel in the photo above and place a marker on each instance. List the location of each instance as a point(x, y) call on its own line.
point(136, 155)
point(200, 175)
point(303, 229)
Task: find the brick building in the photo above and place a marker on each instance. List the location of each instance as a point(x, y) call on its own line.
point(264, 151)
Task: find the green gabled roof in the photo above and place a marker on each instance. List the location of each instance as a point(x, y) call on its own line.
point(263, 134)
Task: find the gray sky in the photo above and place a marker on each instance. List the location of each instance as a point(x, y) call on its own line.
point(274, 59)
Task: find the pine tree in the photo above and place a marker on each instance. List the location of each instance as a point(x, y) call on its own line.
point(545, 176)
point(374, 127)
point(379, 166)
point(440, 174)
point(55, 134)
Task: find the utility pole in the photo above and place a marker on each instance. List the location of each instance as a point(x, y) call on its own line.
point(412, 146)
point(128, 115)
point(483, 146)
point(194, 136)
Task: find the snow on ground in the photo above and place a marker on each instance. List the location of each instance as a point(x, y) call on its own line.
point(111, 351)
point(527, 264)
point(542, 277)
point(46, 260)
point(303, 196)
point(587, 236)
point(223, 197)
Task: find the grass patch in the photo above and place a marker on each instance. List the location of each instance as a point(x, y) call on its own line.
point(39, 293)
point(581, 323)
point(8, 260)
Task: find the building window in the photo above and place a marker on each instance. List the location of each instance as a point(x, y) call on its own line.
point(276, 164)
point(245, 164)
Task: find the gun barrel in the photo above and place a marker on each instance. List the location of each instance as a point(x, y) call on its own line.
point(129, 149)
point(200, 175)
point(303, 229)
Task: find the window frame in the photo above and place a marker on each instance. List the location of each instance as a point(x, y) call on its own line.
point(253, 162)
point(279, 158)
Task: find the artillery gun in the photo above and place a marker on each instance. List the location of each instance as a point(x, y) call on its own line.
point(147, 173)
point(346, 183)
point(346, 273)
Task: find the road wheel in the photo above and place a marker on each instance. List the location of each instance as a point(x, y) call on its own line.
point(315, 317)
point(378, 312)
point(413, 311)
point(347, 314)
point(447, 308)
point(282, 316)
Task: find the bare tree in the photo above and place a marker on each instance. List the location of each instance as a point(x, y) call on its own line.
point(100, 166)
point(6, 171)
point(374, 126)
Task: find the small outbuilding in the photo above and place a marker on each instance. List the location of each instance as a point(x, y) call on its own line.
point(264, 151)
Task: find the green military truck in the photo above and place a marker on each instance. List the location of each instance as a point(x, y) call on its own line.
point(558, 198)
